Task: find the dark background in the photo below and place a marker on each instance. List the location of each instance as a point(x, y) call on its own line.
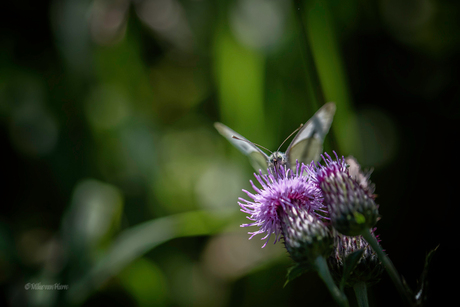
point(106, 126)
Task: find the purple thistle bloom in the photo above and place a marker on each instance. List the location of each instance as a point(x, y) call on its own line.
point(282, 191)
point(348, 198)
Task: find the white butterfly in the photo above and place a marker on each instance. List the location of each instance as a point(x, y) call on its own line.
point(306, 146)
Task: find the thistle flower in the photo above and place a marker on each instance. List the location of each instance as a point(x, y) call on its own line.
point(283, 195)
point(368, 269)
point(290, 204)
point(349, 200)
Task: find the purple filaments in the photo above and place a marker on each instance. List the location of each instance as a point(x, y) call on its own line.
point(280, 190)
point(341, 167)
point(332, 168)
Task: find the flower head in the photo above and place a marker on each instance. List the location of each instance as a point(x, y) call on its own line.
point(282, 191)
point(349, 200)
point(368, 269)
point(305, 236)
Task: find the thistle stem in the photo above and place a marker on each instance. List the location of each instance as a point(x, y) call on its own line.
point(361, 294)
point(390, 268)
point(323, 271)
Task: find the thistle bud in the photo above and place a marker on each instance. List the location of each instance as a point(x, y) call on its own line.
point(368, 269)
point(305, 236)
point(350, 203)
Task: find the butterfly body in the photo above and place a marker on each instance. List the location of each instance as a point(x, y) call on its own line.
point(278, 159)
point(306, 146)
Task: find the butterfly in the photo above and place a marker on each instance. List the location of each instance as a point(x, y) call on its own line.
point(306, 146)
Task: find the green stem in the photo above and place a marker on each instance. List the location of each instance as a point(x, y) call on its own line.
point(323, 271)
point(361, 294)
point(391, 270)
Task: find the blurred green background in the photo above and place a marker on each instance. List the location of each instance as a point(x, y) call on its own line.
point(117, 186)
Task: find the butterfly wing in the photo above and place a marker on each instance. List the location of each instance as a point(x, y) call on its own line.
point(258, 159)
point(307, 145)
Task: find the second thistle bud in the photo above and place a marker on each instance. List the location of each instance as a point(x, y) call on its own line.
point(351, 204)
point(368, 269)
point(305, 236)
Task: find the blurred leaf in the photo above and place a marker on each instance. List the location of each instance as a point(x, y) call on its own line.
point(350, 264)
point(123, 68)
point(240, 77)
point(137, 240)
point(326, 52)
point(421, 294)
point(95, 209)
point(185, 156)
point(145, 281)
point(296, 270)
point(73, 35)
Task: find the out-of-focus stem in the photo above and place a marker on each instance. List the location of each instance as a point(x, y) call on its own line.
point(323, 271)
point(361, 294)
point(391, 270)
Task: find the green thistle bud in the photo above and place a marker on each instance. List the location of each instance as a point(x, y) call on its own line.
point(350, 203)
point(305, 236)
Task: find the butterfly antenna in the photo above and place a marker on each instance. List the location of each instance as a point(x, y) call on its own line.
point(290, 136)
point(260, 146)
